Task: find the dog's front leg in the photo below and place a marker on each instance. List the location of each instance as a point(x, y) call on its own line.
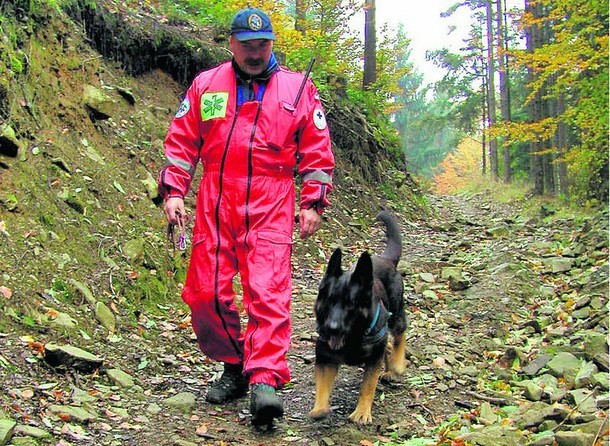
point(325, 378)
point(362, 414)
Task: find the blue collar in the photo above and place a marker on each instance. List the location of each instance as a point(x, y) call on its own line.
point(373, 322)
point(377, 329)
point(379, 325)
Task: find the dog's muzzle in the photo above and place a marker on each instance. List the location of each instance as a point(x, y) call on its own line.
point(336, 342)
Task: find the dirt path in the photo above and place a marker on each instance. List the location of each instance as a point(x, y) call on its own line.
point(459, 347)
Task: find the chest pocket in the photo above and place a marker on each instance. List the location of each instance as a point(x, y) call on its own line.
point(282, 126)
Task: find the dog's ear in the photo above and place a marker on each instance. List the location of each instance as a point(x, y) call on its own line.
point(334, 264)
point(363, 273)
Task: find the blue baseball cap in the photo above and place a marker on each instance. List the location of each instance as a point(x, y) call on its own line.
point(251, 24)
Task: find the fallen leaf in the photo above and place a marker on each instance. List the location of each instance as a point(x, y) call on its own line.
point(53, 314)
point(439, 361)
point(421, 419)
point(5, 291)
point(202, 430)
point(46, 386)
point(185, 324)
point(36, 347)
point(118, 187)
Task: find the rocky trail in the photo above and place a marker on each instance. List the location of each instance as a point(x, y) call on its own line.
point(507, 345)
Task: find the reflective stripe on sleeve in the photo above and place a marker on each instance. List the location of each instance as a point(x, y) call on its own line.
point(184, 165)
point(318, 175)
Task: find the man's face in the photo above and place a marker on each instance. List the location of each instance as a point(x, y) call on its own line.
point(252, 56)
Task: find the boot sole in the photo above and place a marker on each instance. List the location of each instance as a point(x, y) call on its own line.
point(221, 400)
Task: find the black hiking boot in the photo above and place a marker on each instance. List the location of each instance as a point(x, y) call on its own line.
point(265, 405)
point(230, 386)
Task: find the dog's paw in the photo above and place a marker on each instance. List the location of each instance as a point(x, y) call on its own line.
point(390, 377)
point(361, 416)
point(318, 414)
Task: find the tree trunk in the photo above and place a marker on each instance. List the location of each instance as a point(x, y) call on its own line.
point(484, 115)
point(562, 146)
point(301, 14)
point(550, 155)
point(370, 45)
point(532, 37)
point(504, 87)
point(491, 92)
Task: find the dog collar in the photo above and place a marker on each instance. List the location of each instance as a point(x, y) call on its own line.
point(377, 329)
point(379, 325)
point(374, 321)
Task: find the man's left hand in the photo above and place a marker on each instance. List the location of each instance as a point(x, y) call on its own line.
point(309, 222)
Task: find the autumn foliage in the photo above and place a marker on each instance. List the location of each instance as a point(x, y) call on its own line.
point(460, 167)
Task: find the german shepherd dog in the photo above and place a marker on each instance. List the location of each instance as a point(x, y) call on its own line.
point(354, 310)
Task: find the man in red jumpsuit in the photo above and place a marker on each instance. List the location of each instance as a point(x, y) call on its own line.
point(251, 123)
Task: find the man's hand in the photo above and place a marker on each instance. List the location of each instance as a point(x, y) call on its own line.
point(174, 207)
point(309, 222)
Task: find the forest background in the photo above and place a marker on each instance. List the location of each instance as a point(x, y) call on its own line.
point(536, 115)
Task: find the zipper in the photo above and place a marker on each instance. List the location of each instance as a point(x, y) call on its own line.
point(234, 342)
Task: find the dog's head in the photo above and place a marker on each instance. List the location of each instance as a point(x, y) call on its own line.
point(343, 306)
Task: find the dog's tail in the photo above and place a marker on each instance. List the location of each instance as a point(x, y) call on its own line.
point(393, 240)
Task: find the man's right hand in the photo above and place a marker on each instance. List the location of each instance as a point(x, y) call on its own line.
point(174, 208)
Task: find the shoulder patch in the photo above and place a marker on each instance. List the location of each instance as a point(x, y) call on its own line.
point(319, 119)
point(183, 109)
point(214, 105)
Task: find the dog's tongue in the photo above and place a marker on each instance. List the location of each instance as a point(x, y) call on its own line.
point(335, 342)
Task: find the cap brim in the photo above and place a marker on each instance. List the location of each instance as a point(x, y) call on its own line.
point(254, 35)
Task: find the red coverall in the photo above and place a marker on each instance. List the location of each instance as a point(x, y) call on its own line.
point(245, 209)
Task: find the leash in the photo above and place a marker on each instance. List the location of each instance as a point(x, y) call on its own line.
point(171, 234)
